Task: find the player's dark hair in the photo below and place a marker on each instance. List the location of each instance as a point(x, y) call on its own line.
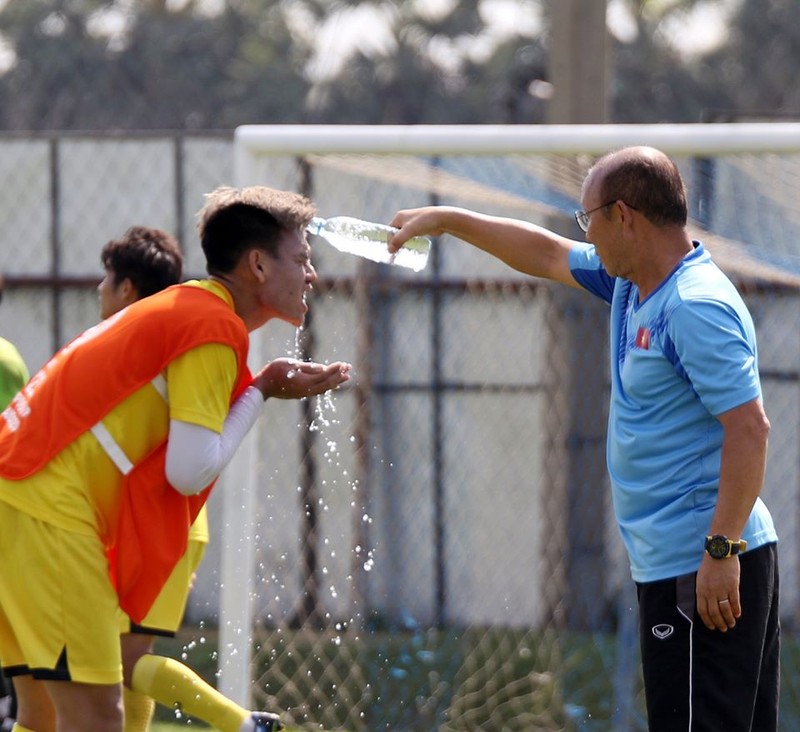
point(233, 230)
point(150, 258)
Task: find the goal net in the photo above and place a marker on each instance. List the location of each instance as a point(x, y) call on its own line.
point(432, 546)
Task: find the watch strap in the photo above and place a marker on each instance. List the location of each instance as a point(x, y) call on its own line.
point(715, 542)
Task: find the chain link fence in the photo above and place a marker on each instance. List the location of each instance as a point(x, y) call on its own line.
point(433, 547)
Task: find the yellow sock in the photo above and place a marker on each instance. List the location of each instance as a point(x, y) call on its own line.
point(139, 710)
point(19, 728)
point(176, 686)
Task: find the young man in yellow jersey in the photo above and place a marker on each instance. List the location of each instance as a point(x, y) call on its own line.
point(140, 263)
point(108, 454)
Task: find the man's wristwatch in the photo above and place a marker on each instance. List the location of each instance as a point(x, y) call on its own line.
point(720, 547)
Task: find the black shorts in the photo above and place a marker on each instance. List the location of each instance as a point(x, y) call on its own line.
point(699, 680)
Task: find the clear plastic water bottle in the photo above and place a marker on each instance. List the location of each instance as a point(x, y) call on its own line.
point(369, 240)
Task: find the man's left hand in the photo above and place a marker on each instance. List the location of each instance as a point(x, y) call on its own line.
point(718, 592)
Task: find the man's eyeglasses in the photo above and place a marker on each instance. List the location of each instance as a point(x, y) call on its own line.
point(582, 217)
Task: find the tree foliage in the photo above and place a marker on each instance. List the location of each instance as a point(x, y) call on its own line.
point(172, 64)
point(163, 68)
point(756, 69)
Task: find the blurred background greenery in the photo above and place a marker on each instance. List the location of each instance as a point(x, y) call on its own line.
point(215, 64)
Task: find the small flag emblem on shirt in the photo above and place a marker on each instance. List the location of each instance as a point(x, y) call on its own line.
point(643, 338)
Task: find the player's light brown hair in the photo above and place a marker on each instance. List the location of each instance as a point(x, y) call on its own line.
point(234, 220)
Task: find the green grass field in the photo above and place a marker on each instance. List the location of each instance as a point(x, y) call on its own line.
point(175, 727)
point(584, 681)
point(398, 667)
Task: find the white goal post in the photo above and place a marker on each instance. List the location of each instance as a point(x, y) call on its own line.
point(255, 144)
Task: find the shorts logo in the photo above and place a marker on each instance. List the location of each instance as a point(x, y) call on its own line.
point(663, 631)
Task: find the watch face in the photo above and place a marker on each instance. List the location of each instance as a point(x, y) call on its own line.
point(717, 547)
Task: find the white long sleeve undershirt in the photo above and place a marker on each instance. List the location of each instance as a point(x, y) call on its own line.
point(196, 455)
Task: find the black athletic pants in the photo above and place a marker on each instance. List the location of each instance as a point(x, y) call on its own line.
point(699, 680)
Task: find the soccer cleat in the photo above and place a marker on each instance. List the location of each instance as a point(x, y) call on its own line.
point(262, 722)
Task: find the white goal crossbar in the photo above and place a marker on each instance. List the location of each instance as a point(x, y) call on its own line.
point(676, 139)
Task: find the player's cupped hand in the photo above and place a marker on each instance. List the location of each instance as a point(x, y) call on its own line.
point(290, 378)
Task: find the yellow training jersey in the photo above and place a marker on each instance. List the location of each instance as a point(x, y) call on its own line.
point(79, 489)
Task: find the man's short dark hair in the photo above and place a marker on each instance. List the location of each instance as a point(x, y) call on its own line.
point(150, 258)
point(647, 180)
